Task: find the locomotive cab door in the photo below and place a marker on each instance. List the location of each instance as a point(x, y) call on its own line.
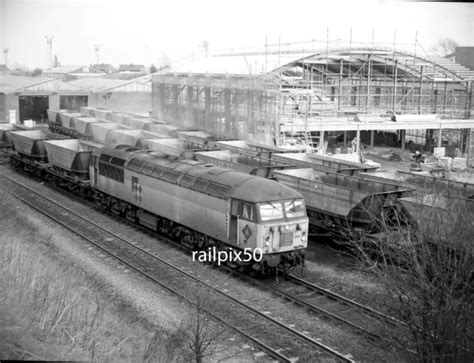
point(93, 171)
point(234, 221)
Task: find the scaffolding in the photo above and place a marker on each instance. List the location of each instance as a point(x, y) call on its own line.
point(230, 106)
point(315, 87)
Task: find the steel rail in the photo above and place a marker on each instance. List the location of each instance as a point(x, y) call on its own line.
point(343, 299)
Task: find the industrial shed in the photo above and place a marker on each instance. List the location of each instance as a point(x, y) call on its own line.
point(30, 97)
point(15, 105)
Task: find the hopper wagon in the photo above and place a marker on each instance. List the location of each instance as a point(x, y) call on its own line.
point(242, 146)
point(103, 132)
point(30, 144)
point(344, 205)
point(162, 128)
point(5, 141)
point(54, 120)
point(102, 113)
point(246, 163)
point(171, 146)
point(69, 157)
point(319, 162)
point(117, 117)
point(87, 111)
point(137, 122)
point(132, 137)
point(443, 218)
point(67, 122)
point(199, 138)
point(83, 128)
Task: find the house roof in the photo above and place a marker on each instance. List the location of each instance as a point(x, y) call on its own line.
point(132, 68)
point(65, 69)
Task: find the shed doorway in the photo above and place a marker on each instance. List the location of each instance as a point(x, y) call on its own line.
point(34, 108)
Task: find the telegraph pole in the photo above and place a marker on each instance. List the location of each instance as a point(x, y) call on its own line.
point(5, 55)
point(49, 42)
point(97, 53)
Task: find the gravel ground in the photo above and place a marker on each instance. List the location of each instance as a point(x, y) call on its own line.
point(327, 267)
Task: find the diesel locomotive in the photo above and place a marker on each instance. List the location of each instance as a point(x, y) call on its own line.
point(200, 205)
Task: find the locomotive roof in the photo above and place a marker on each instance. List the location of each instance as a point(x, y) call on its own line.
point(206, 178)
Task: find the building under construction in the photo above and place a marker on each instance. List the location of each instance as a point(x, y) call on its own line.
point(291, 98)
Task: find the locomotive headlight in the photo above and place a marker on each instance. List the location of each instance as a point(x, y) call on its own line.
point(285, 228)
point(267, 239)
point(303, 237)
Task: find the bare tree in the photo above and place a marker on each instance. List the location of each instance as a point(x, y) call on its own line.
point(165, 62)
point(202, 333)
point(166, 347)
point(426, 264)
point(445, 46)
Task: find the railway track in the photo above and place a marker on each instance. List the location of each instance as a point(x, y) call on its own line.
point(362, 319)
point(274, 336)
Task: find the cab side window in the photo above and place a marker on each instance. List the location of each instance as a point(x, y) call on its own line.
point(248, 211)
point(235, 208)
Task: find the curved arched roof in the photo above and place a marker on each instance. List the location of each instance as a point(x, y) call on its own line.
point(384, 64)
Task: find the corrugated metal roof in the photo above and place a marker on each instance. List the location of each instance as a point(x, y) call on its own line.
point(97, 85)
point(11, 84)
point(53, 86)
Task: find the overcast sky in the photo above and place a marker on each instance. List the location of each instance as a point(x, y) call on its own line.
point(140, 31)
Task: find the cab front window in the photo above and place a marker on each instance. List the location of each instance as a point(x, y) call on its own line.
point(270, 211)
point(295, 208)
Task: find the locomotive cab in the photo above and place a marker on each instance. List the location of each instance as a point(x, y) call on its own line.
point(270, 228)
